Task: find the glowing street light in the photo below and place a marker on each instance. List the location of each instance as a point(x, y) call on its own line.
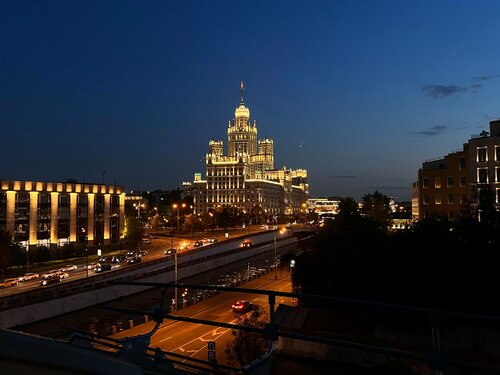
point(283, 230)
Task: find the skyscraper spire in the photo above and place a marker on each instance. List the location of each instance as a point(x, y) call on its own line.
point(242, 87)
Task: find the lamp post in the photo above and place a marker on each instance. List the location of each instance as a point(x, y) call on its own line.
point(214, 215)
point(173, 252)
point(175, 279)
point(276, 255)
point(275, 260)
point(27, 259)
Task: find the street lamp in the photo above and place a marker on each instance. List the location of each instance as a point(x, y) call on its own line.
point(176, 206)
point(214, 215)
point(138, 208)
point(174, 253)
point(275, 255)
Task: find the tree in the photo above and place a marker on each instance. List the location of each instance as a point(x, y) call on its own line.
point(133, 232)
point(376, 207)
point(193, 223)
point(247, 346)
point(155, 222)
point(5, 250)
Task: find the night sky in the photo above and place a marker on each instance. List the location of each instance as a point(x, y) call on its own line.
point(360, 93)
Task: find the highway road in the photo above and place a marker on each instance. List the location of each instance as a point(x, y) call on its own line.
point(155, 251)
point(191, 339)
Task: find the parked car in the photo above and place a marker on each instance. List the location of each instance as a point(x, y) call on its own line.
point(241, 307)
point(53, 279)
point(102, 268)
point(28, 276)
point(68, 267)
point(9, 282)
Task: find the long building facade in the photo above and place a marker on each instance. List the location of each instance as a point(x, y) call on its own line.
point(56, 213)
point(245, 178)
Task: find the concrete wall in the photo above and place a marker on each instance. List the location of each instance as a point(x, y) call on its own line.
point(59, 306)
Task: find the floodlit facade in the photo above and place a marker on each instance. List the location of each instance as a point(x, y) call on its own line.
point(245, 178)
point(55, 213)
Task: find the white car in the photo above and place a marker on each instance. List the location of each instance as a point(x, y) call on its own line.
point(91, 266)
point(63, 275)
point(28, 276)
point(68, 267)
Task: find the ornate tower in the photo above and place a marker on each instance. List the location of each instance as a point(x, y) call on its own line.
point(241, 135)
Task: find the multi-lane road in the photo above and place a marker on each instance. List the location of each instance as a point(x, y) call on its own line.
point(191, 339)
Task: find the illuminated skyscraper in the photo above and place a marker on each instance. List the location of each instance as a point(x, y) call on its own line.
point(245, 178)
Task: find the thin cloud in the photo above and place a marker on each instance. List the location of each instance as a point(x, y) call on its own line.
point(390, 187)
point(343, 176)
point(481, 78)
point(476, 86)
point(435, 130)
point(442, 91)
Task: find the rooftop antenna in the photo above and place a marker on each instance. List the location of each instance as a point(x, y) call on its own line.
point(242, 87)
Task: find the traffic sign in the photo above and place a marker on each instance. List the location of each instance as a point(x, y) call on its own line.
point(211, 351)
point(211, 345)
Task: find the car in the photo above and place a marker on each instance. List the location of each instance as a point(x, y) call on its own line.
point(91, 266)
point(8, 282)
point(133, 260)
point(53, 279)
point(265, 227)
point(103, 267)
point(63, 275)
point(50, 273)
point(143, 253)
point(212, 240)
point(68, 267)
point(183, 246)
point(118, 258)
point(28, 276)
point(146, 240)
point(170, 251)
point(246, 243)
point(242, 307)
point(106, 259)
point(198, 244)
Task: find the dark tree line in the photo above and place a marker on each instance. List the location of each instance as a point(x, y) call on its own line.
point(435, 264)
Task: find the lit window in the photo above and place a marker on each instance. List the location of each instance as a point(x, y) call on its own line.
point(482, 175)
point(482, 154)
point(437, 199)
point(437, 183)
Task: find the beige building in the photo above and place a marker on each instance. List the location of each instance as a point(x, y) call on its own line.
point(446, 186)
point(245, 178)
point(56, 213)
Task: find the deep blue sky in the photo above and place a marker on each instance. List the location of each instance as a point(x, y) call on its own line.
point(358, 92)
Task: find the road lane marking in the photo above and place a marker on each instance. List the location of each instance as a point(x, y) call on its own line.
point(166, 339)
